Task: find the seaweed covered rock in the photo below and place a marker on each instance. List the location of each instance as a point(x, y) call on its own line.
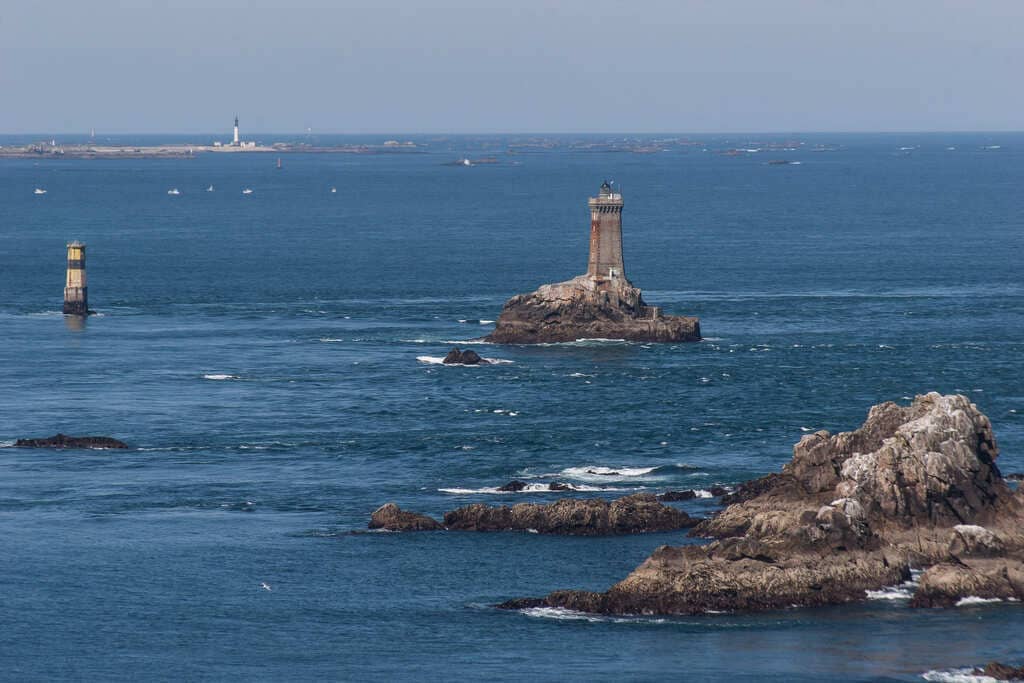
point(390, 517)
point(640, 513)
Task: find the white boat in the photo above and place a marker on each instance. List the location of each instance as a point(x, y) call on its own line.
point(334, 190)
point(210, 188)
point(173, 191)
point(39, 190)
point(247, 191)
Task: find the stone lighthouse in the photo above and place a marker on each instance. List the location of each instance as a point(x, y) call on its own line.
point(76, 300)
point(606, 235)
point(600, 304)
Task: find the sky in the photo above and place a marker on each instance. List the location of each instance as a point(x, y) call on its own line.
point(477, 66)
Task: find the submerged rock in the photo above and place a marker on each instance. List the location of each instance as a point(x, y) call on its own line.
point(513, 486)
point(588, 308)
point(640, 513)
point(65, 441)
point(467, 357)
point(915, 485)
point(392, 518)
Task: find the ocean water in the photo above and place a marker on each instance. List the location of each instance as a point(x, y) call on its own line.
point(269, 359)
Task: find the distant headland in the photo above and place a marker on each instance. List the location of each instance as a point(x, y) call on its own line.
point(51, 149)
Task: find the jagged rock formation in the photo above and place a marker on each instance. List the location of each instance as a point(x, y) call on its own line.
point(636, 514)
point(467, 357)
point(914, 486)
point(65, 441)
point(585, 308)
point(390, 517)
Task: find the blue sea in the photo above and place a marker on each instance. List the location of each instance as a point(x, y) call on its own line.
point(272, 360)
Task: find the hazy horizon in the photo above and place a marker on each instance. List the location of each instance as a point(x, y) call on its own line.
point(579, 66)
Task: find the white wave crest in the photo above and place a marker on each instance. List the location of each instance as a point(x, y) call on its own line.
point(956, 676)
point(975, 600)
point(562, 613)
point(890, 593)
point(219, 376)
point(530, 488)
point(439, 360)
point(903, 591)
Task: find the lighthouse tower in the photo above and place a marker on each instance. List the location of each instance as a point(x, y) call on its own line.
point(235, 142)
point(76, 301)
point(606, 235)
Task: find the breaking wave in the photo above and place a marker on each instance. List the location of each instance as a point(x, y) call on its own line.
point(595, 473)
point(439, 360)
point(904, 591)
point(530, 488)
point(219, 376)
point(564, 614)
point(956, 676)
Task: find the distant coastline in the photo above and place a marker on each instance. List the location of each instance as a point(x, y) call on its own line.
point(54, 150)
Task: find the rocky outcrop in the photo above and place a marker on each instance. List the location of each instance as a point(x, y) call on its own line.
point(915, 486)
point(65, 441)
point(636, 514)
point(588, 308)
point(390, 517)
point(467, 357)
point(1001, 672)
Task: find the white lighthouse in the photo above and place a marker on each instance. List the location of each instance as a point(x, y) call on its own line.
point(236, 143)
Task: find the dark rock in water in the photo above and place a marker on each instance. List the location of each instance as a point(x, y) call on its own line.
point(640, 513)
point(1001, 672)
point(717, 491)
point(755, 487)
point(1014, 476)
point(559, 486)
point(584, 308)
point(672, 496)
point(393, 518)
point(467, 357)
point(915, 486)
point(64, 441)
point(513, 486)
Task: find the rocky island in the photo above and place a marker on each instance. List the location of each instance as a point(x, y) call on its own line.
point(914, 487)
point(602, 304)
point(637, 514)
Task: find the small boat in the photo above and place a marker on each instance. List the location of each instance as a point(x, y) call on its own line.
point(210, 188)
point(173, 191)
point(247, 191)
point(279, 162)
point(39, 190)
point(333, 190)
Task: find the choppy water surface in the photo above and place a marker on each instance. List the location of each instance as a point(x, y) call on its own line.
point(270, 359)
